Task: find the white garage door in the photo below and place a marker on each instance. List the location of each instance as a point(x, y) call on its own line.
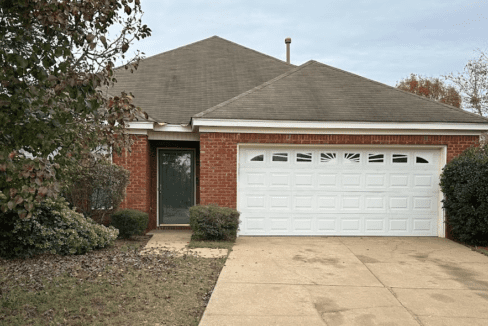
point(327, 191)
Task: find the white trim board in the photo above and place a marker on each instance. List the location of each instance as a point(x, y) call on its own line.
point(337, 125)
point(205, 129)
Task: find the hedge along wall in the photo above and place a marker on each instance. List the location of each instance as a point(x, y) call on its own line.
point(218, 155)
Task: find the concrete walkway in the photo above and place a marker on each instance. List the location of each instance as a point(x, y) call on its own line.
point(176, 241)
point(350, 281)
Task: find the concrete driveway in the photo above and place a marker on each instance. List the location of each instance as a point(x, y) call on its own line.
point(350, 281)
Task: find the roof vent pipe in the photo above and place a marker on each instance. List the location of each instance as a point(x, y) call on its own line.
point(287, 42)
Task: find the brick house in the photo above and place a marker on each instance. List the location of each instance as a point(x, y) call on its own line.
point(298, 150)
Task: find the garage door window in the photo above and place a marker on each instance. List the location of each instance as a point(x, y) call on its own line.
point(258, 158)
point(352, 158)
point(421, 160)
point(376, 158)
point(280, 157)
point(330, 158)
point(400, 158)
point(304, 157)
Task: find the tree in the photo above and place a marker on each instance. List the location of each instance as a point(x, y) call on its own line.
point(55, 57)
point(432, 88)
point(473, 84)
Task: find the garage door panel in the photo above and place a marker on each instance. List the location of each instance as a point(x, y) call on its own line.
point(343, 192)
point(351, 202)
point(303, 202)
point(304, 180)
point(255, 179)
point(280, 180)
point(328, 202)
point(352, 180)
point(327, 180)
point(376, 181)
point(277, 202)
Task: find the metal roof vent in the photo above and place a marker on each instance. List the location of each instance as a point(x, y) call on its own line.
point(287, 42)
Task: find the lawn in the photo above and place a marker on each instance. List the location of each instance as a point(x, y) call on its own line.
point(113, 286)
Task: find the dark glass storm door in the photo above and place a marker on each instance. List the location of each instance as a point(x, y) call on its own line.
point(176, 186)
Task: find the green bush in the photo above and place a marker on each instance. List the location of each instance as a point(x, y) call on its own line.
point(130, 222)
point(214, 223)
point(464, 182)
point(53, 228)
point(97, 189)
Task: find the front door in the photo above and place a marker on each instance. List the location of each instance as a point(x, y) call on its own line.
point(176, 186)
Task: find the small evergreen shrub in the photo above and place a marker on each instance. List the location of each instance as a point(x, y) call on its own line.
point(130, 222)
point(214, 223)
point(464, 182)
point(53, 228)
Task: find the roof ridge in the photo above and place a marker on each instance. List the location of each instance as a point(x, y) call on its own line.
point(405, 92)
point(261, 53)
point(209, 38)
point(252, 90)
point(180, 47)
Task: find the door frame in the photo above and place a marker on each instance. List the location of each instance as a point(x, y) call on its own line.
point(194, 163)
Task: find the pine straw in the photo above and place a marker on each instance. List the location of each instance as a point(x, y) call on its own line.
point(114, 286)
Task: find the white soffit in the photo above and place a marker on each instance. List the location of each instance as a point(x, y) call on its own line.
point(314, 127)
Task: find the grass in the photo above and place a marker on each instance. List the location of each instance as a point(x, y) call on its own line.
point(211, 244)
point(114, 286)
point(483, 250)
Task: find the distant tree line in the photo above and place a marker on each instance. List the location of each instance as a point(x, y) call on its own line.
point(467, 89)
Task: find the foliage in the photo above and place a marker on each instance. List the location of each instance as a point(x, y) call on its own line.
point(54, 228)
point(473, 84)
point(432, 88)
point(464, 182)
point(211, 222)
point(55, 60)
point(130, 222)
point(98, 189)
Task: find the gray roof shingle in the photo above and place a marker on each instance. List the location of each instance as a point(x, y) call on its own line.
point(173, 86)
point(318, 92)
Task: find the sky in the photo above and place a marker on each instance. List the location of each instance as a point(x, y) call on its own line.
point(384, 41)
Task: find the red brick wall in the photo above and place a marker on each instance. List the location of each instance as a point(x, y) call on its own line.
point(218, 155)
point(137, 162)
point(217, 158)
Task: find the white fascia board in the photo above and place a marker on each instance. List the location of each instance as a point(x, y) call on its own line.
point(144, 125)
point(336, 125)
point(339, 131)
point(172, 128)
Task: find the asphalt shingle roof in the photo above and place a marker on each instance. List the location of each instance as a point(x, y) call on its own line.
point(173, 86)
point(318, 92)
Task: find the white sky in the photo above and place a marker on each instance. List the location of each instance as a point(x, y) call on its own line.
point(380, 40)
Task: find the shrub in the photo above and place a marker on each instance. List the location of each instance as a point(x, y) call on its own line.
point(130, 222)
point(214, 223)
point(464, 182)
point(53, 228)
point(98, 189)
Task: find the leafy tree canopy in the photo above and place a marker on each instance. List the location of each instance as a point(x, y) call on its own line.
point(472, 83)
point(55, 57)
point(432, 88)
